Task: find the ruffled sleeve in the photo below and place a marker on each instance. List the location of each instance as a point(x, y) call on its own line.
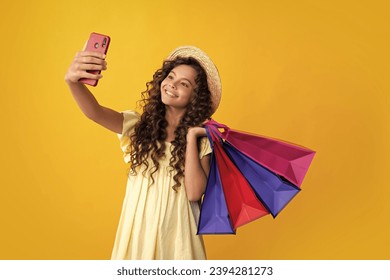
point(130, 118)
point(204, 148)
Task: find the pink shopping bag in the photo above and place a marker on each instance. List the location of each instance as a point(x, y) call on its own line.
point(286, 159)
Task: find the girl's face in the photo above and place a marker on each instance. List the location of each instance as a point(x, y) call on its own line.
point(178, 87)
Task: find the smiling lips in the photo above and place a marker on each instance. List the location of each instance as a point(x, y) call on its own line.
point(170, 94)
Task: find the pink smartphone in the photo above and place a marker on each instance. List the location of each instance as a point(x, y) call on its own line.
point(96, 43)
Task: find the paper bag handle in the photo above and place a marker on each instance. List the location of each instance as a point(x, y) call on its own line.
point(215, 126)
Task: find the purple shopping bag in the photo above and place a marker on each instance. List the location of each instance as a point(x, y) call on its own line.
point(285, 159)
point(214, 217)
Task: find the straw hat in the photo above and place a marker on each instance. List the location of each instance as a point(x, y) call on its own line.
point(213, 79)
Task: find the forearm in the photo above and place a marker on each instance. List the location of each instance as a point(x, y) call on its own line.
point(195, 178)
point(85, 100)
point(81, 64)
point(88, 104)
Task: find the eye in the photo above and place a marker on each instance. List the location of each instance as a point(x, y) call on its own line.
point(170, 77)
point(185, 84)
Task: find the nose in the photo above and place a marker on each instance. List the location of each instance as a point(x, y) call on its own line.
point(172, 85)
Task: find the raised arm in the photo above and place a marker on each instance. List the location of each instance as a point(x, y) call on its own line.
point(196, 170)
point(84, 98)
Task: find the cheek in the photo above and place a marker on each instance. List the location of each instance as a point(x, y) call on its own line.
point(190, 95)
point(162, 84)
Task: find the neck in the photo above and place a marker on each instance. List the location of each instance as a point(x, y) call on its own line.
point(173, 116)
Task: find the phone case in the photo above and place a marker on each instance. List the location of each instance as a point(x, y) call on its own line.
point(96, 43)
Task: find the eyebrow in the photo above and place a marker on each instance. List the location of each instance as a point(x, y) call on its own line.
point(182, 78)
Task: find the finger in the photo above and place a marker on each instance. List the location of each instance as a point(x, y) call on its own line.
point(95, 54)
point(90, 60)
point(87, 75)
point(91, 53)
point(91, 67)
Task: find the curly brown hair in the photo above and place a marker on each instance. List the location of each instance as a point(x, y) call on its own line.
point(148, 138)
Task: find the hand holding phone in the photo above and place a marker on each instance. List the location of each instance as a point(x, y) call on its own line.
point(96, 43)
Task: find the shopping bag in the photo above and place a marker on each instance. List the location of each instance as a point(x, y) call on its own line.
point(242, 203)
point(214, 217)
point(285, 159)
point(272, 190)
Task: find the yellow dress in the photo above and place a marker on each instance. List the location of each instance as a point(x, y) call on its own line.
point(156, 222)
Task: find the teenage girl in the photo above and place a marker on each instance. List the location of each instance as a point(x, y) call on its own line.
point(166, 148)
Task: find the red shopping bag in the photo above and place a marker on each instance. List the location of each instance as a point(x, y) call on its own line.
point(242, 203)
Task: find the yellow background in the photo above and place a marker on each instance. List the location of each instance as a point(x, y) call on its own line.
point(310, 72)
